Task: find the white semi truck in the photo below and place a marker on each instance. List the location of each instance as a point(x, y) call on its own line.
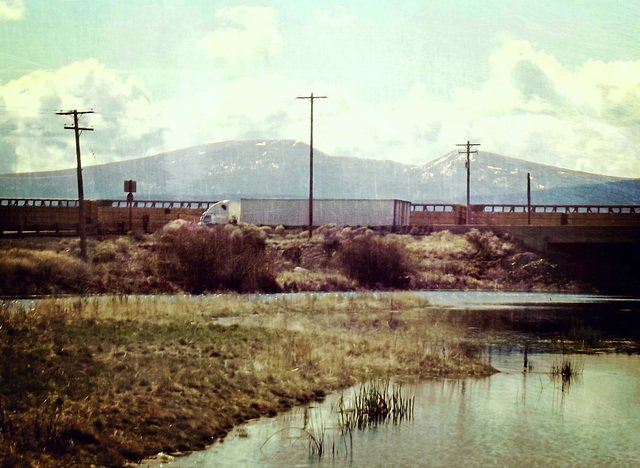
point(295, 212)
point(222, 212)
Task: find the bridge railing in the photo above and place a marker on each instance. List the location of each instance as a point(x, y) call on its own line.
point(593, 209)
point(434, 207)
point(102, 216)
point(73, 202)
point(423, 214)
point(518, 214)
point(193, 205)
point(64, 202)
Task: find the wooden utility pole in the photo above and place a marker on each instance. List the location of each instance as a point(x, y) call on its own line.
point(528, 198)
point(82, 225)
point(311, 98)
point(467, 164)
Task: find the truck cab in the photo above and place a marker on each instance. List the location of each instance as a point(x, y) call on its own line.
point(222, 212)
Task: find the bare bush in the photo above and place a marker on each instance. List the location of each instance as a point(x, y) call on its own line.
point(487, 245)
point(376, 262)
point(217, 258)
point(26, 272)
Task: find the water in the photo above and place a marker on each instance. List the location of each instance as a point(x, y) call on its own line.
point(476, 300)
point(511, 419)
point(454, 299)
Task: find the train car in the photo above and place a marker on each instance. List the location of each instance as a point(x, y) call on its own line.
point(295, 212)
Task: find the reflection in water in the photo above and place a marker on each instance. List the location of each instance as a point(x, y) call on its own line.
point(566, 370)
point(509, 419)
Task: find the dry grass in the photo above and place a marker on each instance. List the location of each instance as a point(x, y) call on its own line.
point(244, 259)
point(481, 260)
point(301, 279)
point(105, 380)
point(29, 272)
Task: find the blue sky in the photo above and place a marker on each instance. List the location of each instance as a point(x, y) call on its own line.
point(556, 82)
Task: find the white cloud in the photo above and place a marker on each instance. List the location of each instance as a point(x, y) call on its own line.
point(410, 130)
point(243, 34)
point(249, 108)
point(32, 137)
point(12, 10)
point(533, 107)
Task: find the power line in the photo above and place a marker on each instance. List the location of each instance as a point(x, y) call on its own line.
point(38, 109)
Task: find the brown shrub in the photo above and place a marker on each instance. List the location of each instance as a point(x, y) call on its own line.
point(376, 262)
point(487, 246)
point(27, 272)
point(216, 258)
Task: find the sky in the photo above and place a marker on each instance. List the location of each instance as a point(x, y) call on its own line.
point(554, 82)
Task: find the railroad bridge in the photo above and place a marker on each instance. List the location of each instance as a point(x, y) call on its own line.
point(542, 227)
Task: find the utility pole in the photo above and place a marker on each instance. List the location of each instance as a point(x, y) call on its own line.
point(467, 164)
point(82, 226)
point(528, 198)
point(311, 98)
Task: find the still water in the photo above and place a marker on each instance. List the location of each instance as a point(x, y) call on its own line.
point(510, 419)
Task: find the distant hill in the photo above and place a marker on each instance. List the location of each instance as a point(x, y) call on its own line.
point(280, 168)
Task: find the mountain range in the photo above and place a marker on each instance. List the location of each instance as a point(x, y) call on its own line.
point(280, 169)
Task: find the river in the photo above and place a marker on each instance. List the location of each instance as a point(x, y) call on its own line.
point(513, 418)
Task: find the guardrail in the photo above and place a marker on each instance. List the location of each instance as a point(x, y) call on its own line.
point(57, 215)
point(73, 202)
point(435, 207)
point(424, 214)
point(63, 202)
point(593, 209)
point(192, 205)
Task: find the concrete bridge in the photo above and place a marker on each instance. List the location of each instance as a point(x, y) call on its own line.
point(541, 227)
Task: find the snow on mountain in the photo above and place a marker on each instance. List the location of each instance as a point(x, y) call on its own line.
point(280, 168)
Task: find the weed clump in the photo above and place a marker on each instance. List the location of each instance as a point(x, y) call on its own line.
point(487, 245)
point(217, 258)
point(376, 262)
point(375, 404)
point(588, 337)
point(565, 369)
point(28, 272)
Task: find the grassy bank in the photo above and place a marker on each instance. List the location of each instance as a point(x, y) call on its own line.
point(249, 259)
point(113, 380)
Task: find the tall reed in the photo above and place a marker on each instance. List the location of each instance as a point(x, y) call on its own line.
point(565, 369)
point(375, 403)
